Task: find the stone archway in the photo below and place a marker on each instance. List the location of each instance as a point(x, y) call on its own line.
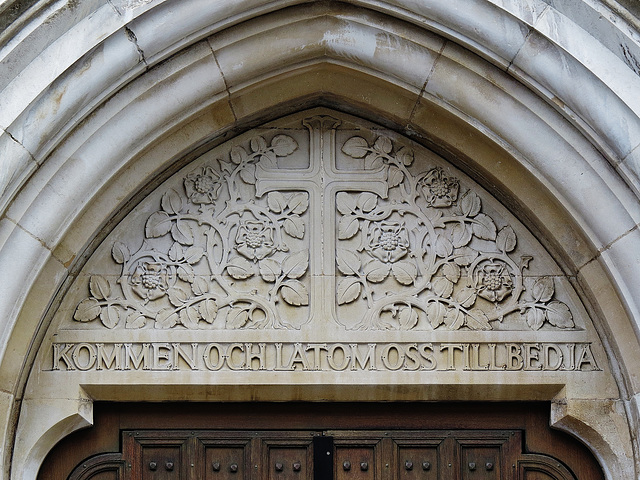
point(131, 139)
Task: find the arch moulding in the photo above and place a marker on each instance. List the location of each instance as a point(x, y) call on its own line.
point(102, 103)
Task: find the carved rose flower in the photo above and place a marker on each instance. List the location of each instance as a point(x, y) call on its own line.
point(493, 281)
point(254, 239)
point(203, 186)
point(439, 190)
point(387, 241)
point(150, 280)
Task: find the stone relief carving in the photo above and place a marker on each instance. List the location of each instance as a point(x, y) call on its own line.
point(411, 248)
point(204, 249)
point(428, 253)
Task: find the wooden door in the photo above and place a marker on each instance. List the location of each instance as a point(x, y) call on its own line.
point(330, 449)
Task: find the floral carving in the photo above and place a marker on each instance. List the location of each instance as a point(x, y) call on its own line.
point(493, 281)
point(214, 255)
point(150, 280)
point(203, 186)
point(427, 256)
point(387, 241)
point(437, 189)
point(255, 240)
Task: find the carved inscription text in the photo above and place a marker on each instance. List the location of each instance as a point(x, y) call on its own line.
point(437, 356)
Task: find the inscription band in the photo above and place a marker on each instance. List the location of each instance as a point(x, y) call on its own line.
point(161, 356)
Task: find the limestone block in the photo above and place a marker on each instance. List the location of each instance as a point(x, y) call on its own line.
point(23, 255)
point(43, 423)
point(602, 425)
point(16, 165)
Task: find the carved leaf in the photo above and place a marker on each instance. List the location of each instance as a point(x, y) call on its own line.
point(294, 226)
point(367, 201)
point(269, 269)
point(295, 293)
point(405, 155)
point(452, 272)
point(444, 247)
point(186, 274)
point(157, 225)
point(166, 318)
point(345, 203)
point(483, 227)
point(248, 174)
point(478, 320)
point(405, 272)
point(258, 143)
point(87, 310)
point(208, 310)
point(177, 296)
point(295, 265)
point(238, 154)
point(120, 252)
point(460, 235)
point(200, 286)
point(176, 252)
point(356, 147)
point(383, 144)
point(283, 145)
point(240, 268)
point(193, 255)
point(470, 204)
point(435, 313)
point(535, 318)
point(373, 161)
point(465, 296)
point(465, 256)
point(99, 287)
point(189, 317)
point(454, 319)
point(559, 315)
point(135, 320)
point(543, 289)
point(407, 318)
point(237, 317)
point(182, 233)
point(348, 227)
point(376, 271)
point(442, 287)
point(435, 217)
point(348, 261)
point(171, 202)
point(506, 239)
point(394, 176)
point(110, 316)
point(298, 203)
point(348, 290)
point(276, 202)
point(268, 159)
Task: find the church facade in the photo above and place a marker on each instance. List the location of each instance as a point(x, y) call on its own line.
point(238, 235)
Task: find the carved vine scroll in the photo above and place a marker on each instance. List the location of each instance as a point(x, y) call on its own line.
point(409, 247)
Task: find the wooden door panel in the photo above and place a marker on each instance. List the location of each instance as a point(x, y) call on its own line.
point(481, 463)
point(416, 463)
point(355, 463)
point(286, 456)
point(323, 455)
point(226, 463)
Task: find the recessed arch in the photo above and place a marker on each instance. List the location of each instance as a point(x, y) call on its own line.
point(126, 137)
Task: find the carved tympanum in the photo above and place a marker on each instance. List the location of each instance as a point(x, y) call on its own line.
point(232, 246)
point(209, 249)
point(427, 253)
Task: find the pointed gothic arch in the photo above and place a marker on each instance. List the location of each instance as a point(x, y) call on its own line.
point(117, 113)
